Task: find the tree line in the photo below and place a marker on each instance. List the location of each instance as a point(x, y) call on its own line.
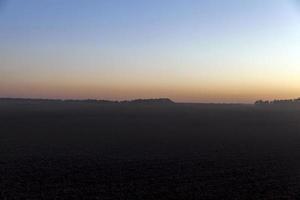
point(276, 101)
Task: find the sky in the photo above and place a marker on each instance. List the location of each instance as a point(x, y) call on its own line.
point(187, 50)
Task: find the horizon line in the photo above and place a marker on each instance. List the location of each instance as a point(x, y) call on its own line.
point(119, 101)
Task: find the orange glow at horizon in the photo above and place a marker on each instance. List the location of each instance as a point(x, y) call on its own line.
point(205, 92)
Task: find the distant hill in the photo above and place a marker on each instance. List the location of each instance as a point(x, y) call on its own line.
point(150, 101)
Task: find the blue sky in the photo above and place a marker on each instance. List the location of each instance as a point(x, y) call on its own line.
point(188, 50)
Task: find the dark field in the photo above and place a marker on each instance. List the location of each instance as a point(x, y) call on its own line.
point(173, 151)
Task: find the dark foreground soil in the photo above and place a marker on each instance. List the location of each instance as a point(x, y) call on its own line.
point(119, 151)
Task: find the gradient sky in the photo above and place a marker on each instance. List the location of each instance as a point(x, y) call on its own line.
point(187, 50)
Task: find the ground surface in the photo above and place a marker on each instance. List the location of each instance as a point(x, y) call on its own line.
point(119, 151)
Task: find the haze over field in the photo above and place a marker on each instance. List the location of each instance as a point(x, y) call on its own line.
point(190, 51)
